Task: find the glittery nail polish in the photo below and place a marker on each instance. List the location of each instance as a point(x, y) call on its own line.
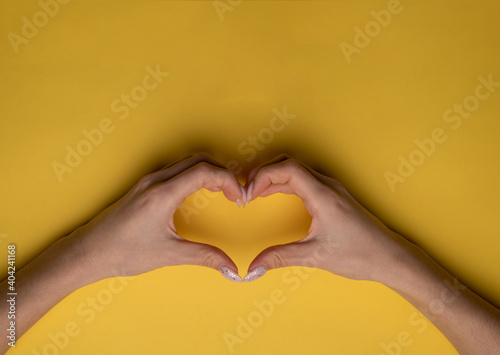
point(255, 274)
point(249, 193)
point(244, 201)
point(230, 274)
point(238, 202)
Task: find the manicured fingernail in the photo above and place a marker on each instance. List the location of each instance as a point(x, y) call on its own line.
point(230, 274)
point(255, 274)
point(238, 202)
point(244, 196)
point(249, 193)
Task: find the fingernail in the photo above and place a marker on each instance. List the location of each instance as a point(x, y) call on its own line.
point(230, 274)
point(255, 274)
point(238, 202)
point(244, 195)
point(249, 193)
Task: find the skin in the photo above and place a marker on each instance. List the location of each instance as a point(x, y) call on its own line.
point(133, 236)
point(137, 234)
point(347, 240)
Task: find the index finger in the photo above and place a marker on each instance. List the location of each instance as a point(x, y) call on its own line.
point(202, 175)
point(289, 177)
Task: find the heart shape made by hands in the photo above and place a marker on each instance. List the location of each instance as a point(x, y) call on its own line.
point(208, 217)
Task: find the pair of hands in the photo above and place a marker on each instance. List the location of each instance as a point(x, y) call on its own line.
point(137, 234)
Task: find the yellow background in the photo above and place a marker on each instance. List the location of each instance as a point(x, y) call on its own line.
point(353, 121)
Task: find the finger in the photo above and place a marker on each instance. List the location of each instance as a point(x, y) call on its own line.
point(172, 171)
point(276, 188)
point(289, 176)
point(253, 172)
point(202, 175)
point(190, 253)
point(176, 162)
point(331, 182)
point(284, 188)
point(175, 169)
point(307, 253)
point(185, 164)
point(282, 157)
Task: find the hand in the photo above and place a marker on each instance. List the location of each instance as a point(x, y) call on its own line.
point(132, 236)
point(347, 240)
point(344, 238)
point(137, 234)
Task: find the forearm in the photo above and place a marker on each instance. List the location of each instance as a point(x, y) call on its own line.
point(44, 282)
point(469, 322)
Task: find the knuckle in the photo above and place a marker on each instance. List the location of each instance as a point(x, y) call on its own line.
point(152, 196)
point(145, 182)
point(338, 186)
point(200, 169)
point(278, 260)
point(209, 260)
point(205, 169)
point(338, 204)
point(292, 164)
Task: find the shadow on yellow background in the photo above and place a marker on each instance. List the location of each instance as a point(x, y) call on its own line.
point(382, 95)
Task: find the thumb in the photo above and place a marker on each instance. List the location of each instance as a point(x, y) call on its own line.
point(191, 253)
point(301, 253)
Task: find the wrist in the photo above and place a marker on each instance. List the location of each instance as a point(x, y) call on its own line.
point(418, 278)
point(78, 259)
point(406, 268)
